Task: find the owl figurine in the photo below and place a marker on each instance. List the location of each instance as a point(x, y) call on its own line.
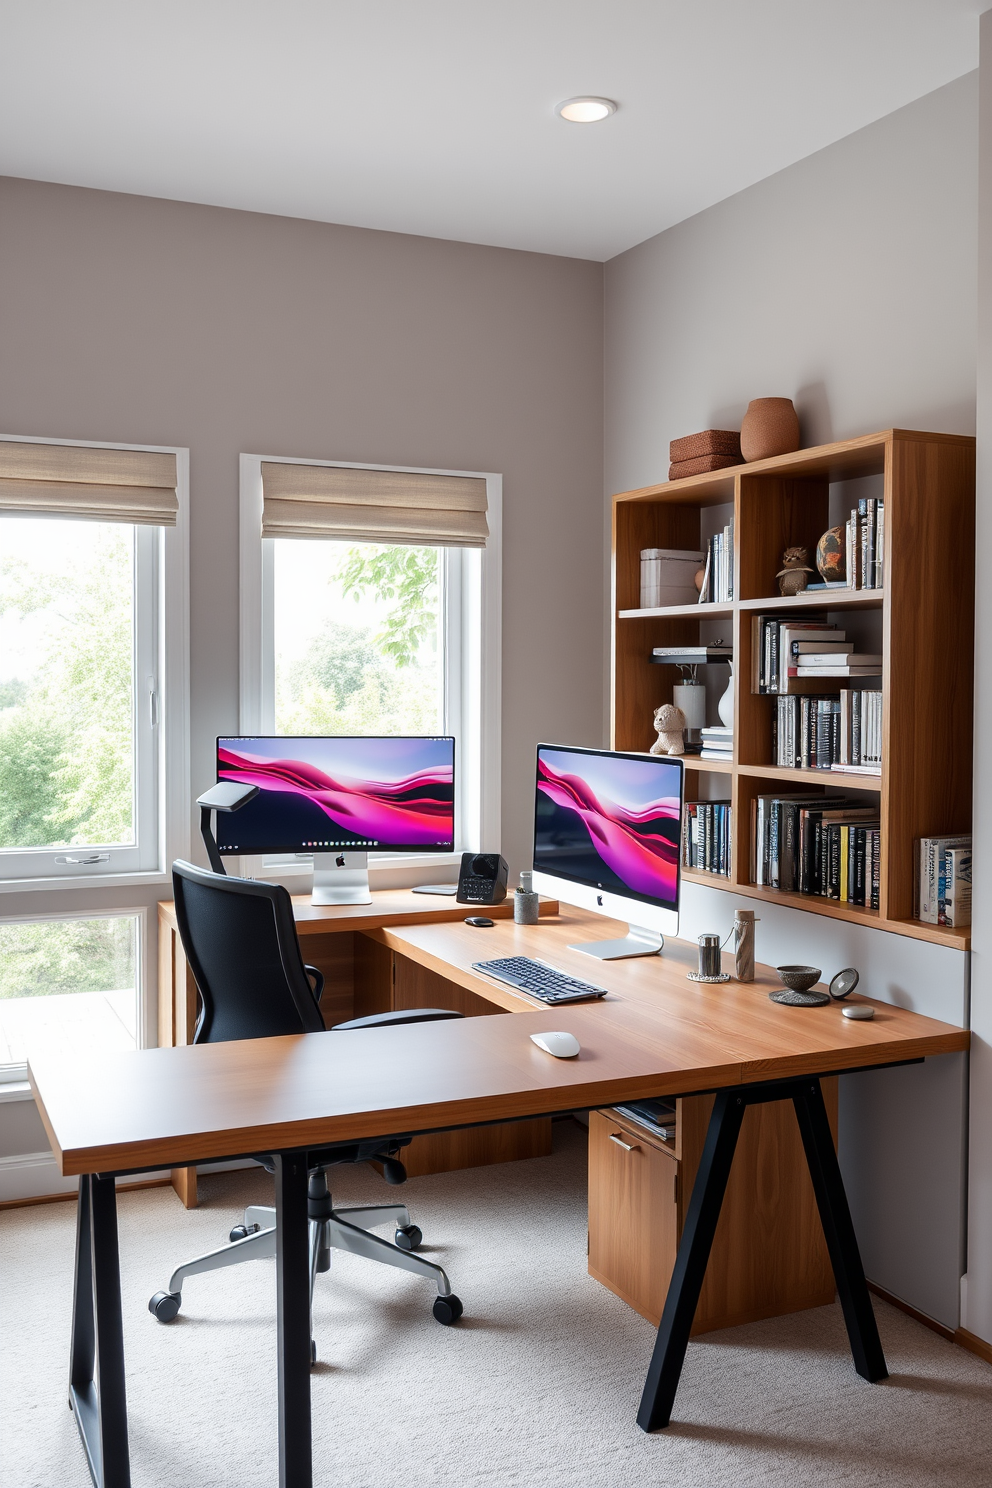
point(792, 575)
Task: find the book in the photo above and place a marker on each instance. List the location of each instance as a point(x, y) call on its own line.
point(928, 853)
point(837, 671)
point(813, 657)
point(694, 654)
point(954, 905)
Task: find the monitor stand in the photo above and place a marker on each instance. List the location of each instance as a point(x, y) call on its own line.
point(341, 878)
point(637, 942)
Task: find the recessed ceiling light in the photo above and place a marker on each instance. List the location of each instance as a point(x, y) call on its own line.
point(586, 110)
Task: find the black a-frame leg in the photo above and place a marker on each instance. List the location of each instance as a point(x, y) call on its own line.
point(293, 1320)
point(835, 1216)
point(690, 1263)
point(700, 1227)
point(96, 1371)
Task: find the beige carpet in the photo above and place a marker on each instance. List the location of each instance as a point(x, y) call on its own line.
point(536, 1388)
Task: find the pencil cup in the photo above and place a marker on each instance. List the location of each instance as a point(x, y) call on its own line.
point(525, 902)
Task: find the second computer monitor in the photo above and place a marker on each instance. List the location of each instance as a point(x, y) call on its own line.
point(607, 830)
point(339, 798)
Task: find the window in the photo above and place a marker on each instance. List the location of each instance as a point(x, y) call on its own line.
point(93, 663)
point(78, 693)
point(344, 636)
point(68, 986)
point(94, 735)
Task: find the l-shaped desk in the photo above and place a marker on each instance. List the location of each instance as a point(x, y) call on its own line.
point(656, 1034)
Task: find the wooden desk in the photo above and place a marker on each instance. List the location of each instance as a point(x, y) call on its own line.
point(332, 938)
point(656, 1035)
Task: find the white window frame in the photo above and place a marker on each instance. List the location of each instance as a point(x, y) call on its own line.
point(146, 1026)
point(472, 622)
point(161, 701)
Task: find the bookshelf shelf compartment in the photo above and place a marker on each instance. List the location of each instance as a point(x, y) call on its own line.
point(680, 612)
point(848, 779)
point(820, 599)
point(925, 786)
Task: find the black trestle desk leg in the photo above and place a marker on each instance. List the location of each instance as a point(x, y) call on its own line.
point(96, 1368)
point(293, 1321)
point(690, 1265)
point(835, 1216)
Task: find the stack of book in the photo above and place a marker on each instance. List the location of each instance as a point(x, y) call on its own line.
point(943, 881)
point(707, 839)
point(829, 733)
point(718, 743)
point(824, 846)
point(865, 531)
point(787, 654)
point(718, 576)
point(657, 1116)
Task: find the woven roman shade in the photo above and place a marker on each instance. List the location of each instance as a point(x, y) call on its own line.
point(384, 506)
point(105, 485)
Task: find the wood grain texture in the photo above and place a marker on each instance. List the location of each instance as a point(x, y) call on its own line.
point(928, 654)
point(769, 1256)
point(633, 1212)
point(444, 1152)
point(477, 1147)
point(774, 513)
point(656, 1034)
point(927, 615)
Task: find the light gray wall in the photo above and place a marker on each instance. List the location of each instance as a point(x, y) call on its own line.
point(137, 320)
point(847, 283)
point(128, 318)
point(977, 1309)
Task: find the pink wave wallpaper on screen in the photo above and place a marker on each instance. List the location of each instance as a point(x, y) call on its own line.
point(414, 808)
point(630, 836)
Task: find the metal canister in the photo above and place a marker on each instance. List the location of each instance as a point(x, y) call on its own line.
point(710, 964)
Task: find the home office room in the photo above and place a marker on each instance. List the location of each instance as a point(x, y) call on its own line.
point(493, 869)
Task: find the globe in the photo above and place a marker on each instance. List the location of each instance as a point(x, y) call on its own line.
point(831, 557)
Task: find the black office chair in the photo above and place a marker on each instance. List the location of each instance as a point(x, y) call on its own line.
point(241, 944)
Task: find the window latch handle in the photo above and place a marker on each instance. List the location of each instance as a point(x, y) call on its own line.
point(152, 702)
point(84, 858)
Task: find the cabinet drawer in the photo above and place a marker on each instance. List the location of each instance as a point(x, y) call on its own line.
point(633, 1212)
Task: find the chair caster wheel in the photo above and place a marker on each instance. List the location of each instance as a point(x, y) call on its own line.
point(313, 1352)
point(408, 1237)
point(165, 1305)
point(448, 1310)
point(241, 1232)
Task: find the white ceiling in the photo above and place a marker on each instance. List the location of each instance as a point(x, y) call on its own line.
point(436, 116)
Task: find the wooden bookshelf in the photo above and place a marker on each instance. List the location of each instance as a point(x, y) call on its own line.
point(926, 625)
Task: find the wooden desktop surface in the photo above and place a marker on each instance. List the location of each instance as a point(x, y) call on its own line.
point(657, 1034)
point(388, 907)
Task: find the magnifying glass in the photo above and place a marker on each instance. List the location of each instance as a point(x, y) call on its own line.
point(843, 984)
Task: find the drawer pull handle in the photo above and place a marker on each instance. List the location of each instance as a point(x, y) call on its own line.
point(627, 1146)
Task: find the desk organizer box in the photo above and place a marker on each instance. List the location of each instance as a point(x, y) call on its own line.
point(668, 577)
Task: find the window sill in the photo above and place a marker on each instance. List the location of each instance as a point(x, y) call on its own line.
point(83, 881)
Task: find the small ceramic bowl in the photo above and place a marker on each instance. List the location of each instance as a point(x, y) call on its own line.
point(799, 978)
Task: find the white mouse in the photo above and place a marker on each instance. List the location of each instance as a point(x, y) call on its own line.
point(561, 1045)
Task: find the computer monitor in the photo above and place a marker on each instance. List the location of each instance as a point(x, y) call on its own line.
point(607, 830)
point(339, 799)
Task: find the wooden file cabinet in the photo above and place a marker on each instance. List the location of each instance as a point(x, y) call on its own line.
point(769, 1256)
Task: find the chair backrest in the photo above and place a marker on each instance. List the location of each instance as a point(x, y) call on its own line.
point(241, 944)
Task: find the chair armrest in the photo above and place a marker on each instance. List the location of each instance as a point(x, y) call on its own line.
point(316, 980)
point(392, 1020)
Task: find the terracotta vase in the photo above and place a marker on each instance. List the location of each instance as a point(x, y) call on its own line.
point(770, 427)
